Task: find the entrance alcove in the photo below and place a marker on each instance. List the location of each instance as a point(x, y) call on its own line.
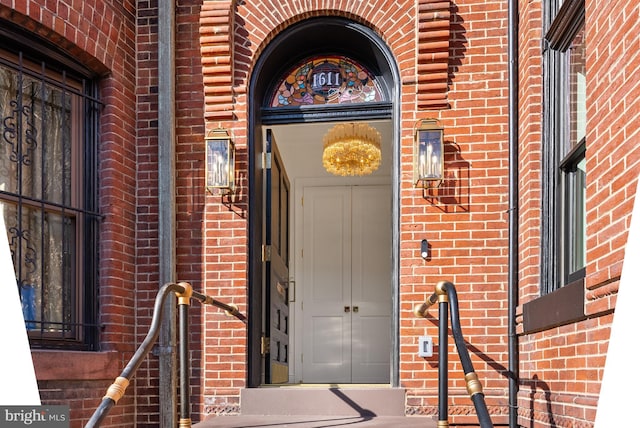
point(286, 257)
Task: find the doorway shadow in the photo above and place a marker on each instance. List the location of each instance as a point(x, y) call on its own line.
point(365, 413)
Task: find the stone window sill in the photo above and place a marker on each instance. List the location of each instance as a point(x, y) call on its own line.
point(75, 365)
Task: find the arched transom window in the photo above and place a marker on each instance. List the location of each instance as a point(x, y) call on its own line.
point(326, 80)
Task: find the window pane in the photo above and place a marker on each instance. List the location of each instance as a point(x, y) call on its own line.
point(42, 122)
point(42, 244)
point(563, 206)
point(575, 166)
point(577, 220)
point(577, 90)
point(36, 138)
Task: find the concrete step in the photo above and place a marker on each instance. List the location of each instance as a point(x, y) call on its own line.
point(319, 406)
point(255, 421)
point(300, 400)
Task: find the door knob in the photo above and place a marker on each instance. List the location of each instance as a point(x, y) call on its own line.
point(347, 309)
point(356, 309)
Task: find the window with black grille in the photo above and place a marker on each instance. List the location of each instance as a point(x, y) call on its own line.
point(48, 194)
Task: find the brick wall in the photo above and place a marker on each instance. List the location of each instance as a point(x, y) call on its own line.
point(466, 222)
point(530, 138)
point(147, 257)
point(99, 34)
point(561, 368)
point(190, 192)
point(613, 153)
point(210, 261)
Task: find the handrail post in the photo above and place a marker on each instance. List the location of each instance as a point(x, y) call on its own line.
point(184, 292)
point(445, 294)
point(474, 387)
point(443, 363)
point(116, 390)
point(443, 358)
point(184, 301)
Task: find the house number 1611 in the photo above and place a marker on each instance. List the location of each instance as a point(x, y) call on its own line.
point(326, 79)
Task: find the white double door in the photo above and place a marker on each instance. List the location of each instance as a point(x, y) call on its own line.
point(346, 304)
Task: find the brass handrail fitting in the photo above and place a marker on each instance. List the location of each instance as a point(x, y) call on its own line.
point(441, 291)
point(473, 384)
point(117, 388)
point(229, 309)
point(421, 309)
point(233, 312)
point(438, 296)
point(443, 424)
point(184, 297)
point(185, 423)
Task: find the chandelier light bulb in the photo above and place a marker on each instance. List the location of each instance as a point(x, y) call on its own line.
point(351, 149)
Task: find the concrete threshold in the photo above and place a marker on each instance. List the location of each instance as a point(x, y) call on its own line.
point(321, 406)
point(329, 400)
point(258, 421)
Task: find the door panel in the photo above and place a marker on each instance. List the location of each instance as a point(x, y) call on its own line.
point(277, 240)
point(327, 289)
point(347, 291)
point(371, 284)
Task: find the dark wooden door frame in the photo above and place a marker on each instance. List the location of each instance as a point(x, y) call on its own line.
point(291, 46)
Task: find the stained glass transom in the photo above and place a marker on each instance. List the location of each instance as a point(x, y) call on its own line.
point(327, 80)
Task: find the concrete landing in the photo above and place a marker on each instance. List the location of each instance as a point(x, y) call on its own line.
point(319, 406)
point(352, 400)
point(256, 421)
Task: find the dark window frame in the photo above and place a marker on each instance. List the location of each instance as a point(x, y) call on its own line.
point(561, 25)
point(43, 62)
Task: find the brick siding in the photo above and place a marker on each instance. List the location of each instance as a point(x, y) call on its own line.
point(561, 368)
point(101, 35)
point(464, 84)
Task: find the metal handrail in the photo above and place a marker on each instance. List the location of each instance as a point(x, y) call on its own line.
point(184, 292)
point(446, 296)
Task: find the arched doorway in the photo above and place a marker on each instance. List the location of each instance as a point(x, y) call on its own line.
point(284, 149)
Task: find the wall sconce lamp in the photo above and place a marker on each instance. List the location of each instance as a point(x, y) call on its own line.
point(428, 155)
point(221, 153)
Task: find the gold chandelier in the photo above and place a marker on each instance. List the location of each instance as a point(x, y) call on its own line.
point(351, 149)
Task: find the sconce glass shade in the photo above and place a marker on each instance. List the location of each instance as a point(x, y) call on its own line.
point(428, 155)
point(220, 173)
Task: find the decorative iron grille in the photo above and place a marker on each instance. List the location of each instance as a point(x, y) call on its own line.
point(48, 197)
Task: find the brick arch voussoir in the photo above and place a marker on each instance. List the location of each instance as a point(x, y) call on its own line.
point(416, 34)
point(368, 18)
point(76, 35)
point(233, 35)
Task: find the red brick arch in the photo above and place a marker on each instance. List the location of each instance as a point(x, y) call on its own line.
point(233, 34)
point(97, 47)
